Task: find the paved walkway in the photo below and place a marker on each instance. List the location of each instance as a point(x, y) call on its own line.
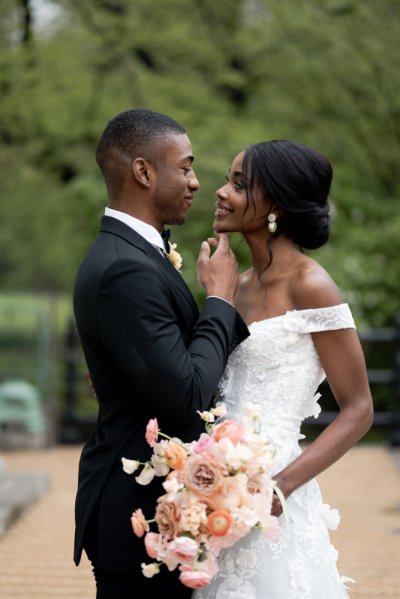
point(35, 554)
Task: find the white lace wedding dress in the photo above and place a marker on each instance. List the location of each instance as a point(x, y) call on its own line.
point(278, 368)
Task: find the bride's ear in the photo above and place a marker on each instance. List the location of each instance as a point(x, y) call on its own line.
point(277, 211)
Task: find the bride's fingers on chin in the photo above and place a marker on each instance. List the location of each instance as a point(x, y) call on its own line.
point(213, 241)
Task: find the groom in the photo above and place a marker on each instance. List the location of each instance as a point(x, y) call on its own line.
point(149, 351)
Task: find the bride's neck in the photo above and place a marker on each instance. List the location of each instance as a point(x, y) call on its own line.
point(282, 248)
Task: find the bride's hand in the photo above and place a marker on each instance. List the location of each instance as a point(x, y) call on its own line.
point(276, 508)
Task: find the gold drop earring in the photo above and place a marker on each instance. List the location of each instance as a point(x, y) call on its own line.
point(272, 222)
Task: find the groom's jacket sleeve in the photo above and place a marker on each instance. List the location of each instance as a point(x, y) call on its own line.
point(138, 324)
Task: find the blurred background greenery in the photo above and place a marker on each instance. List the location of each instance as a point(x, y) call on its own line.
point(324, 72)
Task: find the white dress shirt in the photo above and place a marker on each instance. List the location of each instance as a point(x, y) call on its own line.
point(149, 232)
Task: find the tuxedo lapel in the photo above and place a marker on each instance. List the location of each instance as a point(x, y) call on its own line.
point(116, 227)
point(179, 281)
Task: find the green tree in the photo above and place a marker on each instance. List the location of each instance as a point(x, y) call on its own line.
point(233, 72)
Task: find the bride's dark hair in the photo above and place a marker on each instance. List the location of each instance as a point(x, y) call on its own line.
point(296, 180)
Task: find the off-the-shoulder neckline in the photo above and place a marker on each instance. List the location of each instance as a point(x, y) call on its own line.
point(289, 312)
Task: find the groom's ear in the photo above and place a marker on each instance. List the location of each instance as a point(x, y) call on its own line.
point(143, 172)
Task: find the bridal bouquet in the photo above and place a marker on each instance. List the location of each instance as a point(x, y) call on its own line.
point(217, 489)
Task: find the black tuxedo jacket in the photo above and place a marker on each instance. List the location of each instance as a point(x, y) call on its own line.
point(150, 354)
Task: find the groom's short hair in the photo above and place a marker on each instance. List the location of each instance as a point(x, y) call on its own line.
point(132, 134)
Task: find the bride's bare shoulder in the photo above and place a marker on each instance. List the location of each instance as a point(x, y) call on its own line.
point(313, 287)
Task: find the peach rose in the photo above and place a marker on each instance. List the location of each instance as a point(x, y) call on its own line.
point(167, 518)
point(231, 429)
point(201, 476)
point(230, 494)
point(152, 431)
point(175, 455)
point(195, 579)
point(139, 523)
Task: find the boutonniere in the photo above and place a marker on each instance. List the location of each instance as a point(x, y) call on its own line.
point(174, 257)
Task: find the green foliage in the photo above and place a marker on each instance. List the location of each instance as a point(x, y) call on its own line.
point(325, 72)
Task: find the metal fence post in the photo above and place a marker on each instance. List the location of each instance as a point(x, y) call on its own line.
point(395, 438)
point(69, 428)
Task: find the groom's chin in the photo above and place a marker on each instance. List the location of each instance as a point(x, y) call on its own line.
point(176, 220)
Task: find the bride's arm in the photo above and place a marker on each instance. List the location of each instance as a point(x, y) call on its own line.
point(342, 358)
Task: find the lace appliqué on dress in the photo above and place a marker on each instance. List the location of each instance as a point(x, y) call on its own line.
point(278, 368)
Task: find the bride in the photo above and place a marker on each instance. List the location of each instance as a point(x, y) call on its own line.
point(301, 331)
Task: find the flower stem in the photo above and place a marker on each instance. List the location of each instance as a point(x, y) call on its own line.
point(171, 439)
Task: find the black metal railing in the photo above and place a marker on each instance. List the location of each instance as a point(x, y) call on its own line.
point(382, 351)
point(381, 345)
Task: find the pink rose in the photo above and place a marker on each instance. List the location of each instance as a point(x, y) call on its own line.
point(152, 431)
point(209, 565)
point(139, 523)
point(231, 429)
point(185, 548)
point(195, 579)
point(170, 559)
point(152, 542)
point(203, 444)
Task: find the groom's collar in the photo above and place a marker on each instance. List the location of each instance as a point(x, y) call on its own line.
point(148, 232)
point(116, 227)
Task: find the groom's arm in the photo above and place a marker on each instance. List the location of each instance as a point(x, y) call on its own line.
point(138, 325)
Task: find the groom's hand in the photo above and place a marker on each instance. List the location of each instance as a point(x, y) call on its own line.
point(218, 274)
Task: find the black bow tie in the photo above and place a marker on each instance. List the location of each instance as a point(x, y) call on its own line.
point(166, 234)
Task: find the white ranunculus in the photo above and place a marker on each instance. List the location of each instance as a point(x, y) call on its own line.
point(149, 570)
point(246, 516)
point(172, 485)
point(206, 416)
point(146, 476)
point(129, 466)
point(234, 456)
point(220, 410)
point(159, 465)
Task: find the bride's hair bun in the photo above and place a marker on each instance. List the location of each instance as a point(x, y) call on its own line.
point(308, 229)
point(296, 179)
